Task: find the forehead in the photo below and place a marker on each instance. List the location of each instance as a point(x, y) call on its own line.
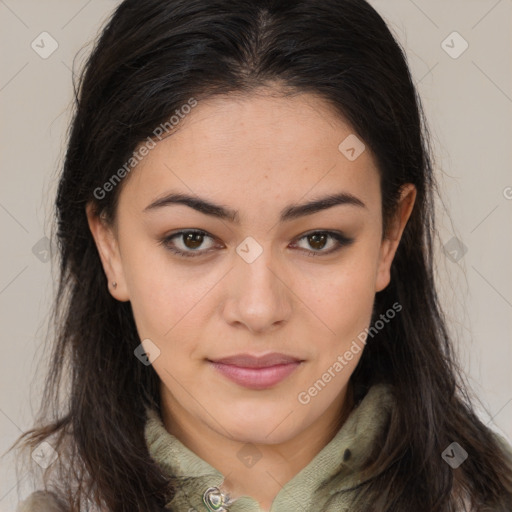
point(248, 147)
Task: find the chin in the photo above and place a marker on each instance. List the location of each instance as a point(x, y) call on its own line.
point(273, 427)
point(259, 434)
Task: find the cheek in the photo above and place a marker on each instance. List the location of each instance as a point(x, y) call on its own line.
point(166, 296)
point(165, 311)
point(162, 304)
point(344, 295)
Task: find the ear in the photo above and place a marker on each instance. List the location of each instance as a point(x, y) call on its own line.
point(108, 248)
point(392, 238)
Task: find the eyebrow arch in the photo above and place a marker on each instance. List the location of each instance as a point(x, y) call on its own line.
point(291, 212)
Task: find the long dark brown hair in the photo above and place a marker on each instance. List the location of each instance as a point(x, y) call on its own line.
point(153, 56)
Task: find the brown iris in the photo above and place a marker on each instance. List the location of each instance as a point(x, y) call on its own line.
point(194, 239)
point(317, 240)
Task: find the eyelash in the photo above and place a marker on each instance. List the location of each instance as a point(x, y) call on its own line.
point(341, 240)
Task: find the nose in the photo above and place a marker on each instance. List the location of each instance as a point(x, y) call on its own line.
point(259, 296)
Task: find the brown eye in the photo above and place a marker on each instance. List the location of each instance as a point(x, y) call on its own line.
point(318, 240)
point(189, 243)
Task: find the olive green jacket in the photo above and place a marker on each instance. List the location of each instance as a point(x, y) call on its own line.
point(324, 485)
point(319, 486)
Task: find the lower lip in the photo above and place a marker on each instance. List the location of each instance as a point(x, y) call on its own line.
point(256, 378)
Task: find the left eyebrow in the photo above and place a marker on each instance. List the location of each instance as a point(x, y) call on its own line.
point(291, 212)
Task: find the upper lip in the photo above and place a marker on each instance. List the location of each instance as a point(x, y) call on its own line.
point(250, 361)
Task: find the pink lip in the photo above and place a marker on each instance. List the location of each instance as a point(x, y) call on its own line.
point(256, 372)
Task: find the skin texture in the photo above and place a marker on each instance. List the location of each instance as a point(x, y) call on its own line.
point(257, 154)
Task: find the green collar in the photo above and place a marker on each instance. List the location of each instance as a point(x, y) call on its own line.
point(335, 468)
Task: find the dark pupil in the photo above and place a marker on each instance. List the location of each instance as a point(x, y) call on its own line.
point(317, 239)
point(194, 239)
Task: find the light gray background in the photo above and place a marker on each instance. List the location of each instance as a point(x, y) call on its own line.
point(468, 101)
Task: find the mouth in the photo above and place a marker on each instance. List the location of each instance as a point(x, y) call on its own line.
point(256, 372)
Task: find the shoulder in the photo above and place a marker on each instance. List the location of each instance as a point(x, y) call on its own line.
point(41, 501)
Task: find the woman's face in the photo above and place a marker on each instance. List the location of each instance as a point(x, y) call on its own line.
point(268, 274)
